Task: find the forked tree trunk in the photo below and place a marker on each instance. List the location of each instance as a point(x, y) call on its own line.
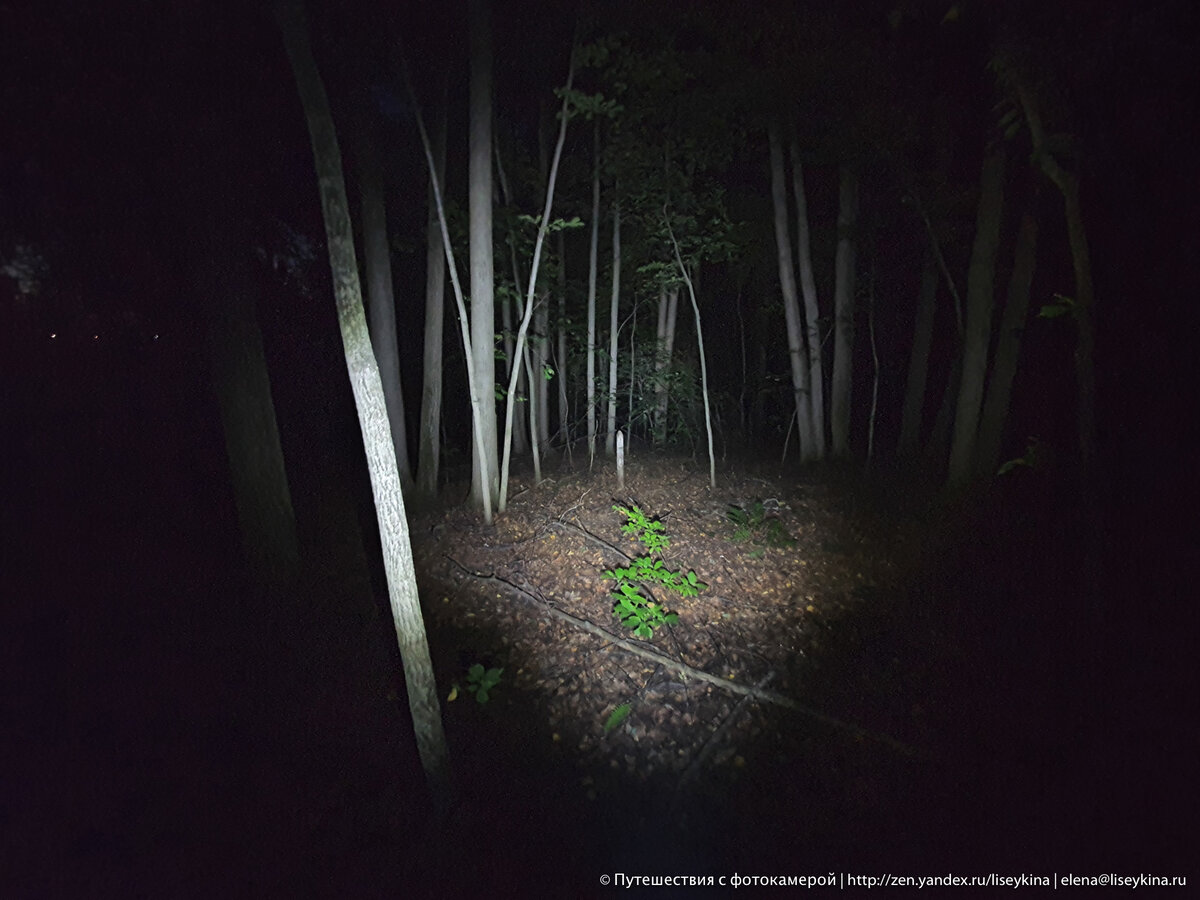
point(372, 410)
point(797, 353)
point(977, 329)
point(812, 311)
point(543, 227)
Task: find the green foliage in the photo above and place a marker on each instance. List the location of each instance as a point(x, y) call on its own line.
point(1065, 306)
point(481, 681)
point(757, 524)
point(633, 608)
point(617, 716)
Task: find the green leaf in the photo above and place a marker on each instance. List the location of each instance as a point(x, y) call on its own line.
point(617, 716)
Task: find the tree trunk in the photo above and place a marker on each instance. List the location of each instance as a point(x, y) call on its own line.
point(593, 262)
point(564, 405)
point(812, 311)
point(610, 434)
point(1008, 349)
point(797, 354)
point(977, 328)
point(843, 301)
point(381, 301)
point(428, 460)
point(918, 361)
point(527, 313)
point(712, 460)
point(668, 309)
point(483, 315)
point(372, 411)
point(243, 388)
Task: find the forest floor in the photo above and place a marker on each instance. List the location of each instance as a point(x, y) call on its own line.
point(819, 737)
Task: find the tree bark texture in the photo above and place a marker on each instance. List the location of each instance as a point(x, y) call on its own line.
point(372, 410)
point(381, 300)
point(429, 452)
point(797, 353)
point(484, 475)
point(812, 311)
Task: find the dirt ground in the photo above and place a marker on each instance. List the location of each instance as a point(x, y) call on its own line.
point(811, 738)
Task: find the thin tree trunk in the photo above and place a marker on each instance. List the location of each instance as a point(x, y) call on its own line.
point(918, 361)
point(520, 432)
point(564, 405)
point(978, 326)
point(610, 436)
point(593, 262)
point(843, 301)
point(381, 301)
point(712, 460)
point(428, 460)
point(543, 227)
point(477, 400)
point(1008, 349)
point(242, 385)
point(668, 310)
point(372, 411)
point(797, 354)
point(483, 313)
point(812, 312)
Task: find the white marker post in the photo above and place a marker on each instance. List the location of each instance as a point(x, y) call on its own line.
point(620, 461)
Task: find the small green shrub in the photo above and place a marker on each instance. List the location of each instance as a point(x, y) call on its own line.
point(633, 608)
point(481, 681)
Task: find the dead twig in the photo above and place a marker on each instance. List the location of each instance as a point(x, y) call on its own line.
point(645, 651)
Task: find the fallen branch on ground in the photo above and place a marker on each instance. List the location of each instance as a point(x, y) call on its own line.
point(643, 650)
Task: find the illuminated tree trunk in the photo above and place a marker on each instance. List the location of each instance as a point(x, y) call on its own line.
point(429, 451)
point(381, 300)
point(593, 263)
point(812, 312)
point(797, 354)
point(372, 410)
point(610, 432)
point(484, 474)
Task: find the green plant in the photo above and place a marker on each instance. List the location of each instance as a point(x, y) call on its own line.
point(481, 681)
point(617, 716)
point(634, 608)
point(755, 523)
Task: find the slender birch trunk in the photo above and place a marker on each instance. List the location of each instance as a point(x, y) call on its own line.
point(610, 435)
point(483, 310)
point(591, 300)
point(812, 311)
point(381, 300)
point(372, 411)
point(918, 361)
point(428, 459)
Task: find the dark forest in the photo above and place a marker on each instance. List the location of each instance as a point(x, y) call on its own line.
point(521, 449)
